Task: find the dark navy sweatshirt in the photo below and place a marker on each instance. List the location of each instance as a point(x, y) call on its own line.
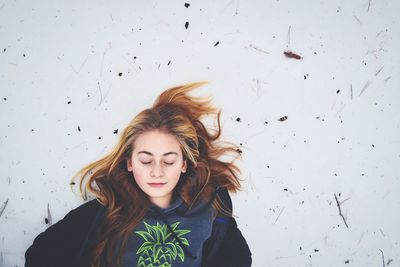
point(69, 241)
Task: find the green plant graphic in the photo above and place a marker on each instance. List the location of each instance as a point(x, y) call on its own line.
point(160, 247)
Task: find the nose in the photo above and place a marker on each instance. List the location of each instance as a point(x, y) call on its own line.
point(157, 171)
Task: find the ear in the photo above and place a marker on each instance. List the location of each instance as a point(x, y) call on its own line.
point(129, 165)
point(184, 166)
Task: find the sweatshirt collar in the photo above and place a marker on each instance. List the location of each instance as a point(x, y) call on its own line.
point(175, 204)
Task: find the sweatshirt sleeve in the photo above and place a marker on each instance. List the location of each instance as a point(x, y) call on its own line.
point(235, 251)
point(60, 244)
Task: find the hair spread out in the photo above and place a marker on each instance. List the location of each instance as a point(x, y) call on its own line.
point(108, 180)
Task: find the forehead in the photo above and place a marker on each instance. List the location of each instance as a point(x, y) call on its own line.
point(156, 142)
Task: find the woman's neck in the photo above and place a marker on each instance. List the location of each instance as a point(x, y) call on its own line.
point(162, 202)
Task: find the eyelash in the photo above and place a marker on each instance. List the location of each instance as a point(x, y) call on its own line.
point(146, 163)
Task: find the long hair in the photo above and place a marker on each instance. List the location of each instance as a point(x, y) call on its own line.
point(108, 180)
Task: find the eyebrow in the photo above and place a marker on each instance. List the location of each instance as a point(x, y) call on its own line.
point(151, 154)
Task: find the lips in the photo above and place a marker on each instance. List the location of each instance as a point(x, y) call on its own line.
point(157, 185)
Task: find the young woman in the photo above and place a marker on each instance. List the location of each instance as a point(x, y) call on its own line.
point(160, 197)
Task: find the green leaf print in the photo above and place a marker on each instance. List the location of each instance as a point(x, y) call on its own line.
point(160, 248)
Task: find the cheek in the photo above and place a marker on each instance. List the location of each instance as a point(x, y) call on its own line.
point(175, 173)
point(139, 174)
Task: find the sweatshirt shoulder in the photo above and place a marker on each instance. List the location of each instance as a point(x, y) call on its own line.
point(224, 197)
point(87, 209)
point(64, 237)
point(86, 212)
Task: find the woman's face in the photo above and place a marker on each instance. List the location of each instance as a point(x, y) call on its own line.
point(157, 163)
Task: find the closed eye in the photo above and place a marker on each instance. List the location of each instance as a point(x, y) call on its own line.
point(169, 163)
point(145, 163)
